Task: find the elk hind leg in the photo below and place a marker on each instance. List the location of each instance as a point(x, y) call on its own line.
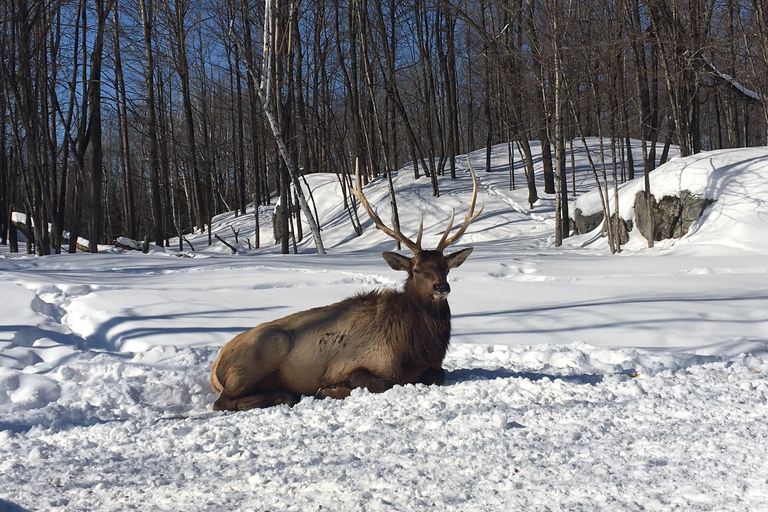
point(360, 378)
point(248, 371)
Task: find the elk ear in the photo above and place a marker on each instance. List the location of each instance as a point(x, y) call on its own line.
point(397, 261)
point(457, 258)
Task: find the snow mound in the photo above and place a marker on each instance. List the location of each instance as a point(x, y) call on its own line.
point(737, 181)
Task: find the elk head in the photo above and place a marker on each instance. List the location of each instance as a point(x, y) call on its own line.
point(427, 269)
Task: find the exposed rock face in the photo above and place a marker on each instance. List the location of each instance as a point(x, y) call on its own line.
point(693, 208)
point(672, 215)
point(625, 226)
point(586, 223)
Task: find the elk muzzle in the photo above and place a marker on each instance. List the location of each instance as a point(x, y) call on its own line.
point(440, 291)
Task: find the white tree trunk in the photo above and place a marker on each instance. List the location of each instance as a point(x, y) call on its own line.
point(265, 93)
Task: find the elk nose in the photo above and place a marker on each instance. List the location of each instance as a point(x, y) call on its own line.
point(442, 289)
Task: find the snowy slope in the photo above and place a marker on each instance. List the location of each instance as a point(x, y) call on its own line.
point(576, 380)
point(734, 178)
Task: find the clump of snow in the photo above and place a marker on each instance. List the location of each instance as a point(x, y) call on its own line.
point(576, 380)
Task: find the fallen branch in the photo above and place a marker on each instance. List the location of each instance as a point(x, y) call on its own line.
point(127, 244)
point(234, 251)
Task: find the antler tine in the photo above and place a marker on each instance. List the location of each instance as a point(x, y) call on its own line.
point(357, 191)
point(445, 242)
point(421, 231)
point(447, 231)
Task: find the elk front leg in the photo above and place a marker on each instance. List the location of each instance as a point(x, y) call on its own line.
point(255, 401)
point(432, 375)
point(357, 379)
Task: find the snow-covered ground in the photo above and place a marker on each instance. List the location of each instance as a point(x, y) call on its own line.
point(577, 380)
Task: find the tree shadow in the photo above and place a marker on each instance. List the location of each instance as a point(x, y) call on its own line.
point(7, 506)
point(478, 374)
point(102, 338)
point(592, 320)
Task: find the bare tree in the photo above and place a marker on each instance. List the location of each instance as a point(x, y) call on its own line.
point(147, 10)
point(761, 26)
point(681, 28)
point(121, 99)
point(382, 80)
point(176, 19)
point(265, 92)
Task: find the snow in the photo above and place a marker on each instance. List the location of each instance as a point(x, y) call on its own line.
point(576, 379)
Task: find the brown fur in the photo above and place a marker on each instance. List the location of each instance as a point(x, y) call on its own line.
point(374, 340)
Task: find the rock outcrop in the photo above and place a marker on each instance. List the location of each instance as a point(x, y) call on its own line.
point(672, 216)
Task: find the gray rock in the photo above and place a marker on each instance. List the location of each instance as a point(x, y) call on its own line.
point(625, 226)
point(672, 215)
point(586, 223)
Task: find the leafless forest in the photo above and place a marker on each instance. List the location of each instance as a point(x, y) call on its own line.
point(145, 118)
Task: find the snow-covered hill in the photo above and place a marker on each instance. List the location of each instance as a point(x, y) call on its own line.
point(576, 380)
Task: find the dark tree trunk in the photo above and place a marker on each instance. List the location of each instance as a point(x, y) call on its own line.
point(147, 19)
point(95, 228)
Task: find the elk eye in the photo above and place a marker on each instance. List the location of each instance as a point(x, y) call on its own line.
point(416, 271)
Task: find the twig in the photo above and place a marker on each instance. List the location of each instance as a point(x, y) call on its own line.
point(188, 242)
point(234, 251)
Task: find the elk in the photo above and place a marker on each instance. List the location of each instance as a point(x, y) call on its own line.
point(373, 340)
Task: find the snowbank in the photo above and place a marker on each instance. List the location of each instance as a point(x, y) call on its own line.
point(735, 179)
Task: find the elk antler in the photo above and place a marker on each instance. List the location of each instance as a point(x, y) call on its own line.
point(445, 241)
point(396, 234)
